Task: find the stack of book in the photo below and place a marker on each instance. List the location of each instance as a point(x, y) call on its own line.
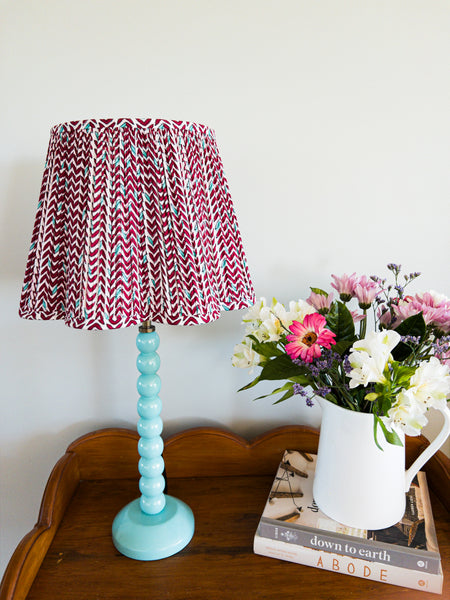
point(293, 528)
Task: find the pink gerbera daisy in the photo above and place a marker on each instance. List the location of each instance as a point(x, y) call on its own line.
point(308, 337)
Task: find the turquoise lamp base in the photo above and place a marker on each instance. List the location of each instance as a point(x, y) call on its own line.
point(155, 525)
point(152, 537)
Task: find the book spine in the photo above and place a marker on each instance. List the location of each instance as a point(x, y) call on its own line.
point(349, 566)
point(356, 548)
point(430, 530)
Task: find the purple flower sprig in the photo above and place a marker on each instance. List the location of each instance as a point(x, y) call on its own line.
point(394, 268)
point(410, 339)
point(329, 374)
point(323, 391)
point(299, 390)
point(441, 348)
point(323, 363)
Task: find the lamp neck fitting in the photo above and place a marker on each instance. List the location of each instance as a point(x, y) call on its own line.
point(146, 327)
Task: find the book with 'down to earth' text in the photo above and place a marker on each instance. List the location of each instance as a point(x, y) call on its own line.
point(293, 528)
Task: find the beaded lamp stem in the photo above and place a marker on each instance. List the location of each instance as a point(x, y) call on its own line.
point(151, 464)
point(155, 525)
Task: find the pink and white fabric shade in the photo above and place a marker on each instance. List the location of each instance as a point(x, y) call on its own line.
point(134, 223)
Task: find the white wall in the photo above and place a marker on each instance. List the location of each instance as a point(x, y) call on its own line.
point(332, 119)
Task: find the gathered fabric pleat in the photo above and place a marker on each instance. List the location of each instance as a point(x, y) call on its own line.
point(134, 222)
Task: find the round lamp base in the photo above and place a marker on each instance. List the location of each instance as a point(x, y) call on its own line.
point(152, 537)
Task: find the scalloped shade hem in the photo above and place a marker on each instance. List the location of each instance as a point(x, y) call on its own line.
point(104, 323)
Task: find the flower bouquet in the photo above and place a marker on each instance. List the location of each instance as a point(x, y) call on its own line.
point(321, 347)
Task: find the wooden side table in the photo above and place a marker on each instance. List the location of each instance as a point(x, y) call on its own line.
point(225, 480)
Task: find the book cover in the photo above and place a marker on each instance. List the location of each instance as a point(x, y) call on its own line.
point(292, 517)
point(356, 567)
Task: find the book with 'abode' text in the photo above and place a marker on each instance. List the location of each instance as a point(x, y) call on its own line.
point(293, 528)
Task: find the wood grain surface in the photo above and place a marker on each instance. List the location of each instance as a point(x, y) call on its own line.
point(225, 480)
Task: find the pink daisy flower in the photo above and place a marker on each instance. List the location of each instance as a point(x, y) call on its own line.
point(345, 286)
point(320, 302)
point(366, 291)
point(357, 317)
point(308, 337)
point(385, 318)
point(434, 307)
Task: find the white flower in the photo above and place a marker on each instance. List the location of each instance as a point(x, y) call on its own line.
point(429, 387)
point(366, 369)
point(378, 343)
point(267, 323)
point(244, 356)
point(430, 384)
point(273, 322)
point(298, 311)
point(254, 317)
point(369, 357)
point(270, 329)
point(407, 414)
point(279, 310)
point(254, 314)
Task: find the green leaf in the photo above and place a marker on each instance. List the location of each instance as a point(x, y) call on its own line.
point(401, 351)
point(286, 386)
point(301, 379)
point(250, 385)
point(318, 291)
point(402, 374)
point(341, 347)
point(375, 425)
point(281, 367)
point(391, 436)
point(414, 325)
point(287, 395)
point(340, 321)
point(267, 349)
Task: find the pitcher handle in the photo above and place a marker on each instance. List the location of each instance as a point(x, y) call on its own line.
point(430, 450)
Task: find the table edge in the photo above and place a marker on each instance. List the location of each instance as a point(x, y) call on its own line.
point(122, 443)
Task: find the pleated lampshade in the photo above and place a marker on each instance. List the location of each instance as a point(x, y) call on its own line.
point(135, 225)
point(135, 222)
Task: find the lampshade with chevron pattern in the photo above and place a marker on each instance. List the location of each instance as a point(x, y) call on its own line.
point(134, 222)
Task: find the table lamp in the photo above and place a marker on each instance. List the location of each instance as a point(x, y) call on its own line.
point(135, 226)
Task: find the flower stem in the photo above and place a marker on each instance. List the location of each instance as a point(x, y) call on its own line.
point(363, 325)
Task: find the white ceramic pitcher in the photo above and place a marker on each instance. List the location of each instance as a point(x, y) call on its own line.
point(356, 483)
